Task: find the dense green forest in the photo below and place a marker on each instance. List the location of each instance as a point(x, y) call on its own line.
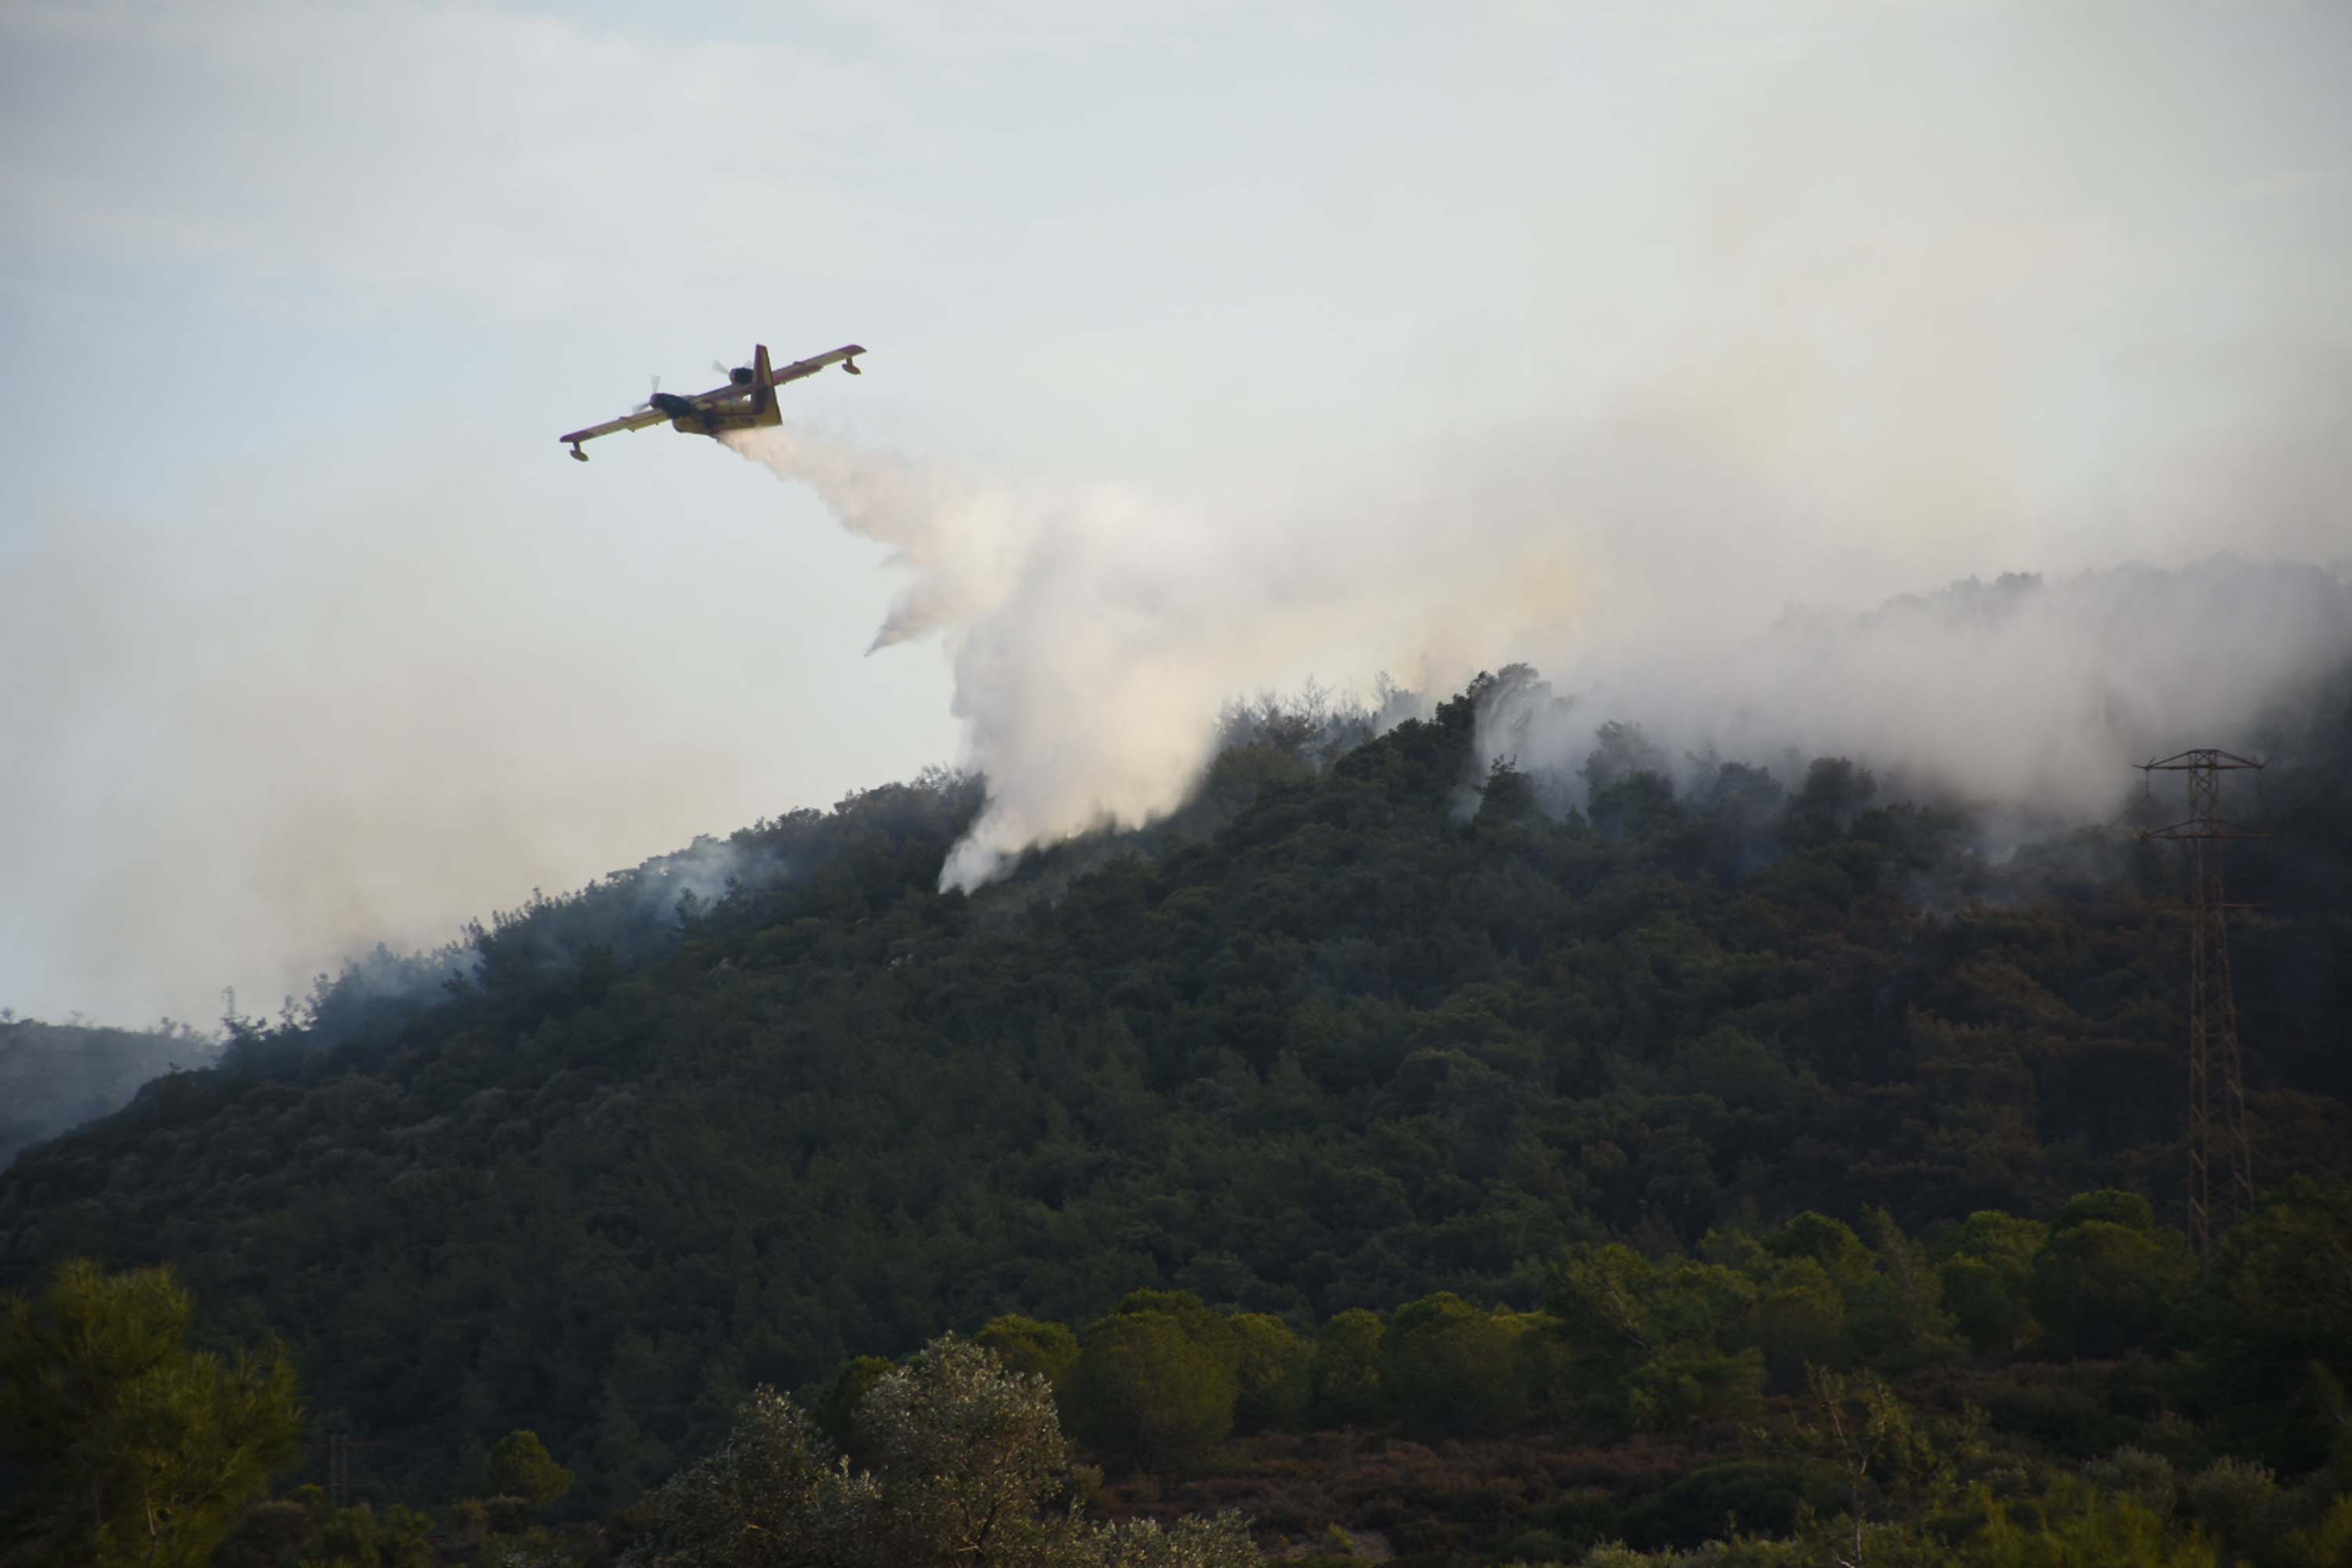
point(1373, 1145)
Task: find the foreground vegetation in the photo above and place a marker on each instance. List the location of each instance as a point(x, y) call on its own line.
point(133, 1449)
point(1575, 1171)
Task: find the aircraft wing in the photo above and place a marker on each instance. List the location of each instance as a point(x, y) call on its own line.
point(732, 391)
point(796, 371)
point(610, 427)
point(807, 367)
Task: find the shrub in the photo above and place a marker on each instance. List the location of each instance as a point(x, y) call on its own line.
point(1272, 1374)
point(1799, 1320)
point(1728, 1499)
point(1982, 1303)
point(835, 1414)
point(1827, 1242)
point(522, 1466)
point(1025, 1345)
point(2238, 1504)
point(1146, 1392)
point(1447, 1366)
point(2104, 1286)
point(1344, 1373)
point(2137, 1475)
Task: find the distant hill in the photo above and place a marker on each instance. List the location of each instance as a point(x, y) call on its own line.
point(55, 1077)
point(1361, 1023)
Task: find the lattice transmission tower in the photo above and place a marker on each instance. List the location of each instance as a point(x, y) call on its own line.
point(2220, 1161)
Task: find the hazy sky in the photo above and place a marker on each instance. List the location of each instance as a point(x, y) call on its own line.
point(310, 634)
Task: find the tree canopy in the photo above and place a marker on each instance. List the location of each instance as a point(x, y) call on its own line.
point(1647, 1085)
point(136, 1449)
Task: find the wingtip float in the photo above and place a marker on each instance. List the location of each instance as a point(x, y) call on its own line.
point(748, 401)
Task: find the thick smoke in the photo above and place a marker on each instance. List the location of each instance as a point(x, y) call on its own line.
point(1094, 634)
point(2018, 692)
point(1093, 637)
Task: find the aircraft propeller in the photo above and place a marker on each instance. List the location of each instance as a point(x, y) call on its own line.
point(648, 402)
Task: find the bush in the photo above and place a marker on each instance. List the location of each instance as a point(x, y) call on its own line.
point(2329, 1541)
point(1272, 1377)
point(522, 1466)
point(1648, 1339)
point(1344, 1374)
point(1447, 1366)
point(2103, 1286)
point(1987, 1276)
point(1025, 1345)
point(2106, 1206)
point(1545, 1368)
point(2238, 1504)
point(835, 1414)
point(1827, 1242)
point(1746, 1496)
point(1146, 1392)
point(1799, 1320)
point(1979, 1299)
point(2137, 1476)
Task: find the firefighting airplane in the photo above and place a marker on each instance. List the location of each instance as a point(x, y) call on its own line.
point(714, 413)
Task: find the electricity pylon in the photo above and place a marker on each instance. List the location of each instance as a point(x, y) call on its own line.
point(2220, 1162)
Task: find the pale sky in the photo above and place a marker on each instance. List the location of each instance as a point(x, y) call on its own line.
point(310, 634)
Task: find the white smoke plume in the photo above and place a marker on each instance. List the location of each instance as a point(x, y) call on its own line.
point(2021, 692)
point(1094, 635)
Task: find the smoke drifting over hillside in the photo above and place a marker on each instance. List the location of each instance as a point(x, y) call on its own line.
point(2022, 691)
point(53, 1077)
point(1093, 634)
point(1093, 637)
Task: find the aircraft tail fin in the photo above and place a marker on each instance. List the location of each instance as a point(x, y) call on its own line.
point(763, 388)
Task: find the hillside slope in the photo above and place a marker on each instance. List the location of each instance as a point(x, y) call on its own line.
point(1328, 1040)
point(56, 1076)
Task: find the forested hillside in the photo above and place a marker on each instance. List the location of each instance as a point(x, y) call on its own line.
point(1362, 1026)
point(53, 1077)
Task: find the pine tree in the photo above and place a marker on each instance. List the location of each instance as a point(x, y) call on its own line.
point(135, 1448)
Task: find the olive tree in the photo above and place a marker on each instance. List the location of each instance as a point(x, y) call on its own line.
point(968, 1469)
